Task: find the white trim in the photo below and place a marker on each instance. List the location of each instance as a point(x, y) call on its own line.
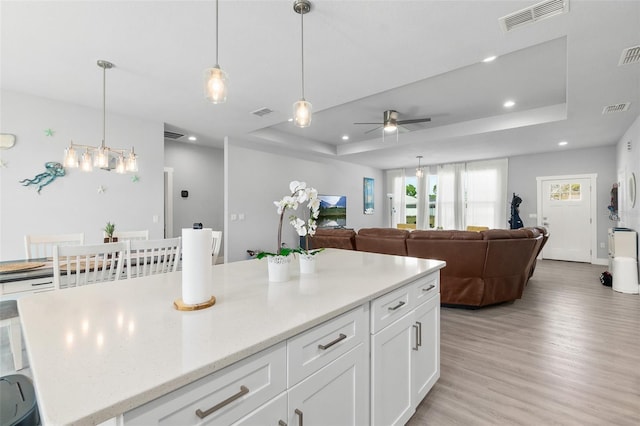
point(601, 261)
point(593, 177)
point(168, 208)
point(225, 226)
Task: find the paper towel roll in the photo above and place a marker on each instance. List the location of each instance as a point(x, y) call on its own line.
point(196, 265)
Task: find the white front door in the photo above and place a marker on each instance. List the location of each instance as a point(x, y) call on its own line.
point(566, 212)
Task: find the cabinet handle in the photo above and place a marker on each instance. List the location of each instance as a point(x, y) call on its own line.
point(202, 414)
point(328, 345)
point(419, 333)
point(282, 423)
point(429, 288)
point(415, 327)
point(399, 305)
point(299, 413)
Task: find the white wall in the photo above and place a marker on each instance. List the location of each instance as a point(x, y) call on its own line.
point(72, 203)
point(256, 179)
point(199, 170)
point(628, 162)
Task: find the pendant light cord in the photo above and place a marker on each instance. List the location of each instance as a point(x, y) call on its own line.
point(302, 51)
point(104, 105)
point(217, 33)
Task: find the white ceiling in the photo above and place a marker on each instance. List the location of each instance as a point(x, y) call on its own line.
point(421, 58)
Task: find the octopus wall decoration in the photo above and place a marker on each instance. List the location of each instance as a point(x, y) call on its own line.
point(53, 170)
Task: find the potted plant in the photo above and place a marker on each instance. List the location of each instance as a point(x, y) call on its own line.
point(279, 261)
point(109, 229)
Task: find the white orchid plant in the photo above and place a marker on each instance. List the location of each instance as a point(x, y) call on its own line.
point(300, 194)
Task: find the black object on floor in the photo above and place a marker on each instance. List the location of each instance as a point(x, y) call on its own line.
point(17, 401)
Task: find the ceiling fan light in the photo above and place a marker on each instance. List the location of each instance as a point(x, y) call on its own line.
point(390, 127)
point(215, 85)
point(302, 111)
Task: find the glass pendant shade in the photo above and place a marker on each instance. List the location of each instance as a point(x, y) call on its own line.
point(70, 157)
point(215, 85)
point(120, 165)
point(302, 111)
point(87, 162)
point(419, 173)
point(101, 157)
point(132, 162)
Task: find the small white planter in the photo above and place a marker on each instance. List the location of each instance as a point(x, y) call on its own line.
point(307, 264)
point(278, 268)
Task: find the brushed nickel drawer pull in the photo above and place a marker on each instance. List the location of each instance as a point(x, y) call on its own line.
point(328, 345)
point(282, 423)
point(429, 288)
point(202, 414)
point(419, 333)
point(399, 305)
point(298, 412)
point(415, 327)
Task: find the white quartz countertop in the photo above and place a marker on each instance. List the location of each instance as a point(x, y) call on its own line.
point(101, 350)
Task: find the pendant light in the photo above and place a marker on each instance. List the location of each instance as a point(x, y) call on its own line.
point(100, 156)
point(302, 109)
point(419, 171)
point(215, 80)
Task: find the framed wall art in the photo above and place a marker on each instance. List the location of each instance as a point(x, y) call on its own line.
point(367, 190)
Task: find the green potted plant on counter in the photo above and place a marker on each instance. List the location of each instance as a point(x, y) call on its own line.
point(109, 229)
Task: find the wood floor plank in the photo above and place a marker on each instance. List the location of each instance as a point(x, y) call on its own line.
point(567, 353)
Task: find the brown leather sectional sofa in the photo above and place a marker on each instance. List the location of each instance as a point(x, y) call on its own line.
point(483, 268)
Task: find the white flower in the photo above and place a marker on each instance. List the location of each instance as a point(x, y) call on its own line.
point(296, 186)
point(299, 225)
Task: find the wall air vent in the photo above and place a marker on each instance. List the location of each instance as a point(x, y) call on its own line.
point(172, 135)
point(630, 55)
point(537, 12)
point(610, 109)
point(262, 112)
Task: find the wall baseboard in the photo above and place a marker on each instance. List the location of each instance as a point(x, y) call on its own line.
point(600, 261)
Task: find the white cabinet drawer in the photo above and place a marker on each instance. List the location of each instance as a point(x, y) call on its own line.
point(390, 307)
point(315, 348)
point(271, 413)
point(252, 382)
point(425, 288)
point(33, 285)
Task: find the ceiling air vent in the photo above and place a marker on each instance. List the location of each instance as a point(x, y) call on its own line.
point(529, 15)
point(262, 112)
point(630, 55)
point(610, 109)
point(172, 135)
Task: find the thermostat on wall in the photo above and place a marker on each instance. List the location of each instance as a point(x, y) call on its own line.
point(184, 193)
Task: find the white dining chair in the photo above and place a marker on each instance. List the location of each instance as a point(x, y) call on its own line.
point(154, 256)
point(217, 241)
point(41, 246)
point(89, 264)
point(9, 318)
point(129, 235)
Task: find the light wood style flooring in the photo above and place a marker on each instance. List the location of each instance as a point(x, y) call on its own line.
point(567, 353)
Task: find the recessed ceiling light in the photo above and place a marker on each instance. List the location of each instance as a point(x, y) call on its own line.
point(509, 104)
point(563, 143)
point(290, 120)
point(345, 137)
point(192, 138)
point(489, 59)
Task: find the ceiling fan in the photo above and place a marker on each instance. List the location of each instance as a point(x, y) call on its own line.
point(390, 121)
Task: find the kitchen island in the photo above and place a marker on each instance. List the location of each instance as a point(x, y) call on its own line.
point(100, 351)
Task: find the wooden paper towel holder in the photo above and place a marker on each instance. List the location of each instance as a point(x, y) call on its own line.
point(181, 306)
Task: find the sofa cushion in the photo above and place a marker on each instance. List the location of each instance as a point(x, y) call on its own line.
point(333, 238)
point(445, 235)
point(382, 240)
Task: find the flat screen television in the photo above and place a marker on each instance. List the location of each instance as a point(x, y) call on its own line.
point(333, 211)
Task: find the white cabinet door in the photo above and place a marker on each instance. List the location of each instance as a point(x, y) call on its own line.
point(337, 394)
point(426, 360)
point(391, 353)
point(271, 413)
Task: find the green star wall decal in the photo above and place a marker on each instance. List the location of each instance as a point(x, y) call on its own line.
point(48, 132)
point(135, 178)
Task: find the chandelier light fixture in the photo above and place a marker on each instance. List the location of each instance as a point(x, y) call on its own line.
point(100, 156)
point(215, 80)
point(302, 109)
point(419, 171)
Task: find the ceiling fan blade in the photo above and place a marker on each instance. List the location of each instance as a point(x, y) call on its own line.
point(380, 124)
point(415, 120)
point(373, 130)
